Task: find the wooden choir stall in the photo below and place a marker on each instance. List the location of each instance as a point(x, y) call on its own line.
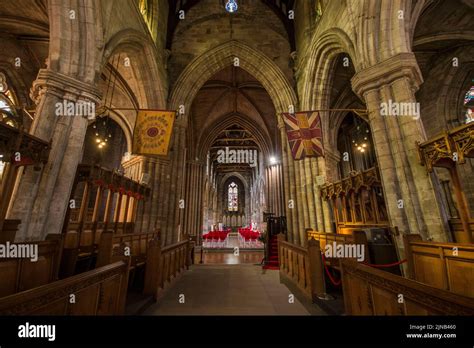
point(101, 201)
point(18, 149)
point(451, 150)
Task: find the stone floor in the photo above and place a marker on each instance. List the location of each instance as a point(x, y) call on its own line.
point(243, 289)
point(228, 257)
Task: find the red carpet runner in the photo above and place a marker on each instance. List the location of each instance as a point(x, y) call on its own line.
point(272, 262)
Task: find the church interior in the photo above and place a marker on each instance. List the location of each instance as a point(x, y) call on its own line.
point(237, 157)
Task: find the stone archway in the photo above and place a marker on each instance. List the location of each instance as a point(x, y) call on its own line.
point(242, 120)
point(323, 53)
point(254, 62)
point(261, 68)
point(152, 90)
point(41, 198)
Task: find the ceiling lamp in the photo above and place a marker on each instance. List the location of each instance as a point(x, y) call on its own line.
point(231, 6)
point(360, 135)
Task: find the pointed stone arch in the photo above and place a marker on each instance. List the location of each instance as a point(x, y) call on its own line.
point(254, 62)
point(140, 47)
point(321, 64)
point(241, 120)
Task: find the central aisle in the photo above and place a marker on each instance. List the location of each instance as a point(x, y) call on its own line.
point(228, 290)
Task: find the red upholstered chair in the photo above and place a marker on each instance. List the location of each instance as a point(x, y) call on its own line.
point(253, 237)
point(248, 238)
point(206, 239)
point(221, 238)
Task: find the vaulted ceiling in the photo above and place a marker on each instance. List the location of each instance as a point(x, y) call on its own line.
point(24, 19)
point(234, 137)
point(233, 110)
point(279, 7)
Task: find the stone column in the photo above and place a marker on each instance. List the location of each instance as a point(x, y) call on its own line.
point(289, 186)
point(193, 199)
point(405, 181)
point(41, 199)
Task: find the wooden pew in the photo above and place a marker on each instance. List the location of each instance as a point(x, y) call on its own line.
point(164, 265)
point(356, 237)
point(9, 230)
point(369, 291)
point(137, 244)
point(458, 230)
point(20, 274)
point(79, 246)
point(98, 292)
point(447, 266)
point(82, 246)
point(302, 266)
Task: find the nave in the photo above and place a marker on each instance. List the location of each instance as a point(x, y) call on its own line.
point(326, 144)
point(216, 289)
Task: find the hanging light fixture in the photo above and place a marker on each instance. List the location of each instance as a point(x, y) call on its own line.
point(231, 6)
point(102, 132)
point(361, 139)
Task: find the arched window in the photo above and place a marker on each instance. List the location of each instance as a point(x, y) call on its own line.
point(233, 197)
point(146, 9)
point(7, 104)
point(318, 9)
point(469, 104)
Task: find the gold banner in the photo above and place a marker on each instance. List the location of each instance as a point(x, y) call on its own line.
point(152, 133)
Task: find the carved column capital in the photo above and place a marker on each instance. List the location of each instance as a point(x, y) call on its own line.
point(63, 86)
point(403, 65)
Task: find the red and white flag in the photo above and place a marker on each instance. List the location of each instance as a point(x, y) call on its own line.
point(305, 135)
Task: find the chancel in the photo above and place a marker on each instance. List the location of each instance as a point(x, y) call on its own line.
point(214, 157)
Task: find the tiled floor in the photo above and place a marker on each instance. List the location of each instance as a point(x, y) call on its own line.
point(243, 289)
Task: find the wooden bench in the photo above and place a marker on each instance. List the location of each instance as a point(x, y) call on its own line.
point(9, 230)
point(163, 265)
point(356, 237)
point(82, 246)
point(98, 292)
point(369, 291)
point(447, 266)
point(458, 230)
point(137, 244)
point(19, 274)
point(302, 266)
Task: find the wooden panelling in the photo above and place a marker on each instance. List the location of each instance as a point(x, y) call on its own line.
point(98, 292)
point(163, 265)
point(21, 274)
point(369, 291)
point(448, 266)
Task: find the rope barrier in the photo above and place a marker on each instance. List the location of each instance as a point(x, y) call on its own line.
point(338, 282)
point(333, 281)
point(385, 265)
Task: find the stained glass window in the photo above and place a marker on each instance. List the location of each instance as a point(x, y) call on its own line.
point(469, 103)
point(7, 102)
point(319, 10)
point(146, 9)
point(233, 197)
